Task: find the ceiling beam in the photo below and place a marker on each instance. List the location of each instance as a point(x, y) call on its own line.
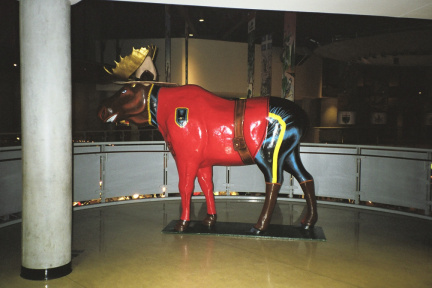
point(421, 9)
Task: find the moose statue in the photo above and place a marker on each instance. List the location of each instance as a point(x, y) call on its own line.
point(203, 130)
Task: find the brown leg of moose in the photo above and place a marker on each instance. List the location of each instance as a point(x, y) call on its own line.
point(311, 217)
point(272, 191)
point(209, 220)
point(181, 225)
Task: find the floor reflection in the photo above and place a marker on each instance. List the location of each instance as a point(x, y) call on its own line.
point(122, 246)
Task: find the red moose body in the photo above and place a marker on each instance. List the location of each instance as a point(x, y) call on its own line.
point(203, 130)
point(206, 138)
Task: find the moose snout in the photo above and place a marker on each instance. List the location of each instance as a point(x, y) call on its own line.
point(105, 113)
point(102, 113)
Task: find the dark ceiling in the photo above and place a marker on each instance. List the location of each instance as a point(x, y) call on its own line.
point(98, 19)
point(114, 19)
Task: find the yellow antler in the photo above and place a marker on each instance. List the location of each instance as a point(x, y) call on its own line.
point(129, 64)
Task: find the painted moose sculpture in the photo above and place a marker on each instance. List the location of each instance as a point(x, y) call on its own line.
point(203, 130)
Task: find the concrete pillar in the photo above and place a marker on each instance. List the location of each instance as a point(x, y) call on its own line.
point(46, 138)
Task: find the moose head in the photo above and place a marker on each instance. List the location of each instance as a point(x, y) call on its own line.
point(130, 104)
point(127, 104)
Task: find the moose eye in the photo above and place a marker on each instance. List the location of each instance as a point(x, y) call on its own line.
point(124, 91)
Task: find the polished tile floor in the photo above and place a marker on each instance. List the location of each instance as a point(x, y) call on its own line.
point(122, 246)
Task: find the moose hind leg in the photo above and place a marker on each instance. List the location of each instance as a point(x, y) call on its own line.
point(294, 166)
point(311, 217)
point(270, 160)
point(206, 182)
point(272, 191)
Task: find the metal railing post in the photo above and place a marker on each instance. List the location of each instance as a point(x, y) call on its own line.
point(103, 158)
point(358, 177)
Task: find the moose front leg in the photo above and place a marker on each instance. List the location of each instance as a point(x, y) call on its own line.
point(205, 179)
point(187, 176)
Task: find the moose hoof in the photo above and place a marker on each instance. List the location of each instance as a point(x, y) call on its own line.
point(210, 220)
point(256, 231)
point(307, 226)
point(308, 223)
point(181, 225)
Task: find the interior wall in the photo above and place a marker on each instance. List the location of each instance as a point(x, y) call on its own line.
point(309, 79)
point(218, 66)
point(329, 112)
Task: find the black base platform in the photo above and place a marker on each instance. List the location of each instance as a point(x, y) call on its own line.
point(234, 229)
point(46, 274)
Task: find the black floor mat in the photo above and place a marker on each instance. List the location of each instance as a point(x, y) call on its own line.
point(234, 229)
